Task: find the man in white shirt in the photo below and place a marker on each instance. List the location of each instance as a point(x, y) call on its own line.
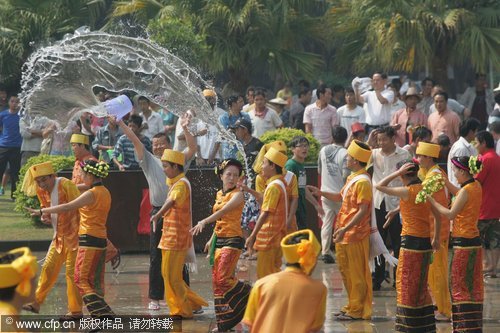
point(384, 161)
point(377, 102)
point(152, 123)
point(263, 118)
point(463, 146)
point(351, 112)
point(320, 117)
point(31, 127)
point(333, 170)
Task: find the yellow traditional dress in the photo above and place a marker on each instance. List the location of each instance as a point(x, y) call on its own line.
point(414, 308)
point(353, 251)
point(268, 238)
point(467, 290)
point(438, 271)
point(64, 246)
point(175, 242)
point(230, 294)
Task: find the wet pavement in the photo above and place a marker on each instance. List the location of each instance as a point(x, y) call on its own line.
point(127, 294)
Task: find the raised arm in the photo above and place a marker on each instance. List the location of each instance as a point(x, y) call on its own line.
point(190, 139)
point(138, 146)
point(400, 192)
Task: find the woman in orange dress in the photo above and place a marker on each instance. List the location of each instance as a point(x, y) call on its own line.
point(93, 205)
point(466, 281)
point(414, 309)
point(226, 244)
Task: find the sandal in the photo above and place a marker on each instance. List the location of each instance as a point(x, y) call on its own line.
point(31, 308)
point(154, 305)
point(116, 260)
point(197, 312)
point(346, 317)
point(340, 313)
point(71, 316)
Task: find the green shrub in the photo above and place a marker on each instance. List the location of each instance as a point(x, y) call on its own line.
point(22, 200)
point(287, 134)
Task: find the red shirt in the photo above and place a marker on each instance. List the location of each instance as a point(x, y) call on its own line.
point(489, 177)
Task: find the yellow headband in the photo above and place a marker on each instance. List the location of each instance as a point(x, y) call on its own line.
point(276, 157)
point(37, 170)
point(173, 156)
point(19, 272)
point(428, 149)
point(304, 253)
point(79, 138)
point(278, 145)
point(358, 153)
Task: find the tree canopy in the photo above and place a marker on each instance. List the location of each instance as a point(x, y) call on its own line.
point(274, 40)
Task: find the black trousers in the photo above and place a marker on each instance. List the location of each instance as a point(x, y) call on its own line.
point(394, 232)
point(11, 155)
point(156, 285)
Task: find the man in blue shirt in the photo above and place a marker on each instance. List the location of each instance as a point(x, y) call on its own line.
point(10, 142)
point(228, 119)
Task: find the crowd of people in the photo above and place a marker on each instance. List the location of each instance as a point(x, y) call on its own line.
point(416, 168)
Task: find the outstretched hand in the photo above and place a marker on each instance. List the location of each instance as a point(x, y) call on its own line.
point(314, 190)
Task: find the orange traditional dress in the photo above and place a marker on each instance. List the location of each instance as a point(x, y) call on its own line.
point(268, 238)
point(174, 243)
point(414, 308)
point(90, 260)
point(438, 270)
point(64, 246)
point(466, 281)
point(77, 178)
point(292, 191)
point(353, 251)
point(230, 294)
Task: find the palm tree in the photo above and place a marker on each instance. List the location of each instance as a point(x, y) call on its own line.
point(408, 35)
point(27, 24)
point(245, 37)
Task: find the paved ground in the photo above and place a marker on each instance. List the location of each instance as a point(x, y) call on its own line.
point(127, 294)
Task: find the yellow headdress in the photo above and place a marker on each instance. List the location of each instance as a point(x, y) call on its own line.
point(37, 170)
point(359, 153)
point(173, 156)
point(79, 138)
point(428, 149)
point(276, 157)
point(209, 93)
point(304, 253)
point(278, 145)
point(19, 272)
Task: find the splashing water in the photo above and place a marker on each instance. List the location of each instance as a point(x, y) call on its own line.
point(58, 79)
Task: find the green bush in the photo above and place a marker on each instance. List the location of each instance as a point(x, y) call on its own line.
point(22, 200)
point(287, 134)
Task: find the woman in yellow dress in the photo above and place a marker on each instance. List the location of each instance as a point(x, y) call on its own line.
point(466, 281)
point(93, 205)
point(226, 245)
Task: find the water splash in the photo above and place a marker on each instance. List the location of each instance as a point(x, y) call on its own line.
point(58, 79)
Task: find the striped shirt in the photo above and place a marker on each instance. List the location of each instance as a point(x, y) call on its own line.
point(125, 147)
